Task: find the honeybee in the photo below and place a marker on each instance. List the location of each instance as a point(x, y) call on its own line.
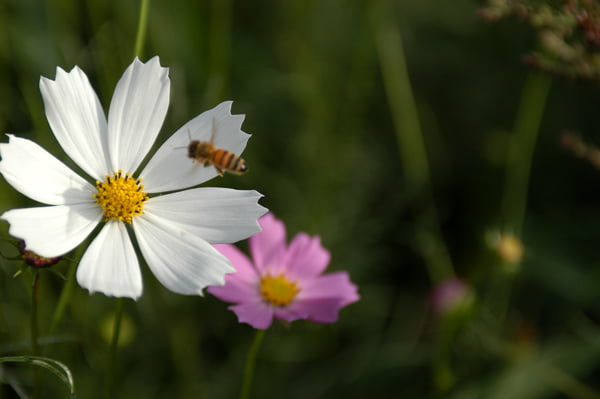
point(206, 153)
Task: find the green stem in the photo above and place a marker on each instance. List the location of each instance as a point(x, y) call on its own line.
point(251, 363)
point(402, 103)
point(112, 354)
point(35, 348)
point(518, 170)
point(521, 149)
point(411, 144)
point(219, 48)
point(65, 297)
point(141, 31)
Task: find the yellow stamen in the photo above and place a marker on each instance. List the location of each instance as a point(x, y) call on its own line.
point(121, 197)
point(278, 290)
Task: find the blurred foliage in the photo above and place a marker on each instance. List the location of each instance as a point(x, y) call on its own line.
point(568, 33)
point(325, 153)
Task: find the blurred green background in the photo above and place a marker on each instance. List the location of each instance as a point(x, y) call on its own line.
point(320, 84)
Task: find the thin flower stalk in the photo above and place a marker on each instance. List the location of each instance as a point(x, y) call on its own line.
point(251, 364)
point(140, 38)
point(411, 144)
point(112, 352)
point(521, 150)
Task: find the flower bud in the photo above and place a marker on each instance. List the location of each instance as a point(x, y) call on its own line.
point(33, 259)
point(451, 297)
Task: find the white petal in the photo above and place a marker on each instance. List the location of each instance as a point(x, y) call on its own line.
point(77, 120)
point(39, 175)
point(217, 215)
point(136, 113)
point(171, 169)
point(110, 265)
point(182, 262)
point(53, 230)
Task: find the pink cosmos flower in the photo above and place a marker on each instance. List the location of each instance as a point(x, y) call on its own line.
point(283, 282)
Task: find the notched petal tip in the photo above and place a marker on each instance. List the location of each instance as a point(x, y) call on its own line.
point(10, 137)
point(61, 74)
point(76, 70)
point(153, 62)
point(153, 59)
point(136, 113)
point(238, 118)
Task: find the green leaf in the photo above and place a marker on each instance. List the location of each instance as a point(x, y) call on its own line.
point(54, 366)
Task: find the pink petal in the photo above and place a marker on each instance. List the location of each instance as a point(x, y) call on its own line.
point(323, 310)
point(245, 270)
point(235, 290)
point(258, 314)
point(241, 286)
point(268, 245)
point(333, 285)
point(306, 258)
point(292, 312)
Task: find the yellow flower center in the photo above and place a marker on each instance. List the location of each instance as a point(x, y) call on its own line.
point(121, 197)
point(278, 290)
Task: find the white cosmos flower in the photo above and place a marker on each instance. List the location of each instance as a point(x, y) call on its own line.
point(174, 231)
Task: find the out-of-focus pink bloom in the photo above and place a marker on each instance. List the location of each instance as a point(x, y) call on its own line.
point(450, 296)
point(281, 281)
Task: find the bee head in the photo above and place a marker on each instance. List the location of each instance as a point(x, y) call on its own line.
point(192, 148)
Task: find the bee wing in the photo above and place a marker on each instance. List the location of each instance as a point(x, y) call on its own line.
point(213, 129)
point(170, 169)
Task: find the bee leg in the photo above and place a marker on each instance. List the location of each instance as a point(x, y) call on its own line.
point(219, 171)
